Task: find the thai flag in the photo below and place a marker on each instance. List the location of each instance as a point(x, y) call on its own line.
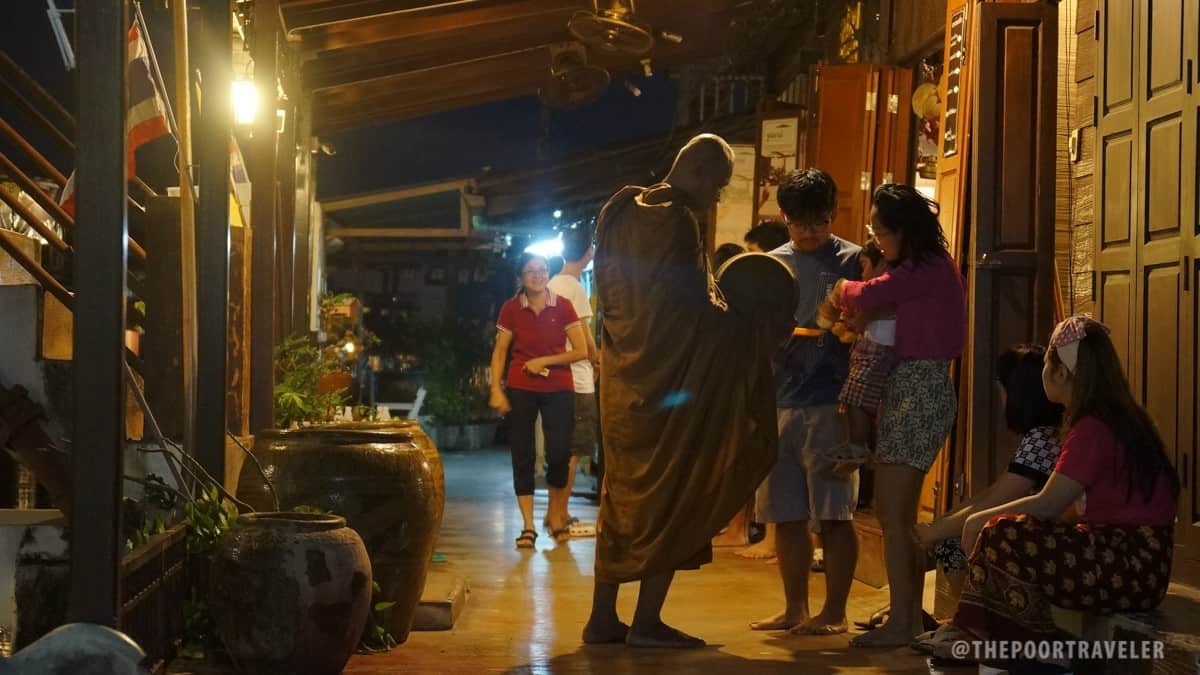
point(146, 118)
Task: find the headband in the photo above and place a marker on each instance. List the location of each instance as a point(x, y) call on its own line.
point(1066, 337)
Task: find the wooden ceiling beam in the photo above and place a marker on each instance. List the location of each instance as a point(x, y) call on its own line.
point(426, 52)
point(476, 15)
point(447, 81)
point(441, 87)
point(341, 120)
point(308, 15)
point(377, 62)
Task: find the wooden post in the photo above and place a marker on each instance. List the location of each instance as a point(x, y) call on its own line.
point(264, 193)
point(99, 341)
point(187, 224)
point(212, 233)
point(285, 226)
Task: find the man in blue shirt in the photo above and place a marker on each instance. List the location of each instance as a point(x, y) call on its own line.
point(809, 372)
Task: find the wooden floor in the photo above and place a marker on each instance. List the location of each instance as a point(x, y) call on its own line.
point(526, 609)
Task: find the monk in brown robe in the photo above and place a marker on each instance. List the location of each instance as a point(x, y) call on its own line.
point(687, 403)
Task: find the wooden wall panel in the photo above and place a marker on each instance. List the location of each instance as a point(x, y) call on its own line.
point(237, 407)
point(163, 343)
point(1083, 123)
point(844, 140)
point(1160, 290)
point(1012, 211)
point(1114, 306)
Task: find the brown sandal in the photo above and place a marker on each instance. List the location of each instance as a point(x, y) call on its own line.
point(527, 539)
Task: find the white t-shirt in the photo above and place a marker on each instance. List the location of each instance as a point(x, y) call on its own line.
point(569, 287)
point(882, 332)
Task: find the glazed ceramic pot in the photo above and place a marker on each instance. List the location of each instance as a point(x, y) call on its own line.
point(385, 478)
point(290, 593)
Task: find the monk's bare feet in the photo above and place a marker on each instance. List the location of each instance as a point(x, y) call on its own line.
point(661, 636)
point(890, 634)
point(821, 625)
point(781, 621)
point(760, 551)
point(604, 631)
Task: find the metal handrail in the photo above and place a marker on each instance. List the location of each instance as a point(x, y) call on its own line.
point(44, 278)
point(36, 223)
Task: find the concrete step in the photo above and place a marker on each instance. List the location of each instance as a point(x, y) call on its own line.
point(1173, 623)
point(443, 601)
point(872, 568)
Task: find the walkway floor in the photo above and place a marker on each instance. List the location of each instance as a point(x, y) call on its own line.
point(526, 609)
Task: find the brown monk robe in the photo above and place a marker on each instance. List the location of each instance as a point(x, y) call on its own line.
point(687, 403)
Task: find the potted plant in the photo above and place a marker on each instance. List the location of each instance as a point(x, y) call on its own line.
point(300, 397)
point(385, 478)
point(346, 342)
point(457, 356)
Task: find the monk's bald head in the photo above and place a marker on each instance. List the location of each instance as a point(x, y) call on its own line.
point(702, 169)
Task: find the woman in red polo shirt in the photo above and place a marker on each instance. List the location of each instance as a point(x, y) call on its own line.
point(534, 324)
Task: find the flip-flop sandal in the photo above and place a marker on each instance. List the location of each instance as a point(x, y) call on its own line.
point(817, 630)
point(939, 663)
point(579, 529)
point(527, 539)
point(561, 535)
point(875, 620)
point(880, 617)
point(940, 641)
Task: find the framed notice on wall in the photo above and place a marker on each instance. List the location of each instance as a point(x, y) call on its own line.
point(780, 137)
point(954, 72)
point(735, 211)
point(780, 144)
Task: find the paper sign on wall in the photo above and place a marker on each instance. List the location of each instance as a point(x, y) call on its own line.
point(780, 137)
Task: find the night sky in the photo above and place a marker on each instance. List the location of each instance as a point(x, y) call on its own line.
point(507, 135)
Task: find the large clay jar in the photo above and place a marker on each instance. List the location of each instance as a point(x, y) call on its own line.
point(290, 593)
point(386, 479)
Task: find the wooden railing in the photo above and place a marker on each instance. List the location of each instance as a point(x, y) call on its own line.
point(154, 587)
point(29, 96)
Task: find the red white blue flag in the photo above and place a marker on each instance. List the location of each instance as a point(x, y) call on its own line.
point(146, 118)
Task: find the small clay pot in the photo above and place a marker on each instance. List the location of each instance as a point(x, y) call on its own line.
point(290, 593)
point(385, 478)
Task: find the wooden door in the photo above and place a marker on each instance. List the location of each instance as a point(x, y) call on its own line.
point(1147, 231)
point(843, 139)
point(1188, 535)
point(956, 92)
point(1011, 296)
point(1116, 122)
point(893, 137)
point(1164, 218)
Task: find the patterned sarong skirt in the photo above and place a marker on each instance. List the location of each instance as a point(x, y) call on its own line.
point(1023, 565)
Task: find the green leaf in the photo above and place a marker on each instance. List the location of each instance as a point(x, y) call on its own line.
point(376, 588)
point(381, 606)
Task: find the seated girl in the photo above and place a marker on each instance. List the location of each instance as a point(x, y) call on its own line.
point(1030, 415)
point(1021, 560)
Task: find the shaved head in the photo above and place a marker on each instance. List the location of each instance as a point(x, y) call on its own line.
point(702, 169)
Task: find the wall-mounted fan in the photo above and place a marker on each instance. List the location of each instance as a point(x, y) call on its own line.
point(573, 82)
point(613, 29)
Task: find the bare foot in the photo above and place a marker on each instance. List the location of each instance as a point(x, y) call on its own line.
point(821, 625)
point(603, 632)
point(780, 621)
point(661, 636)
point(759, 551)
point(890, 634)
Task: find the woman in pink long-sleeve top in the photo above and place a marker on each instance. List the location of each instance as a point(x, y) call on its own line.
point(925, 288)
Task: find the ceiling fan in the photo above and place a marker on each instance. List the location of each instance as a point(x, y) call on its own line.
point(573, 82)
point(613, 29)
